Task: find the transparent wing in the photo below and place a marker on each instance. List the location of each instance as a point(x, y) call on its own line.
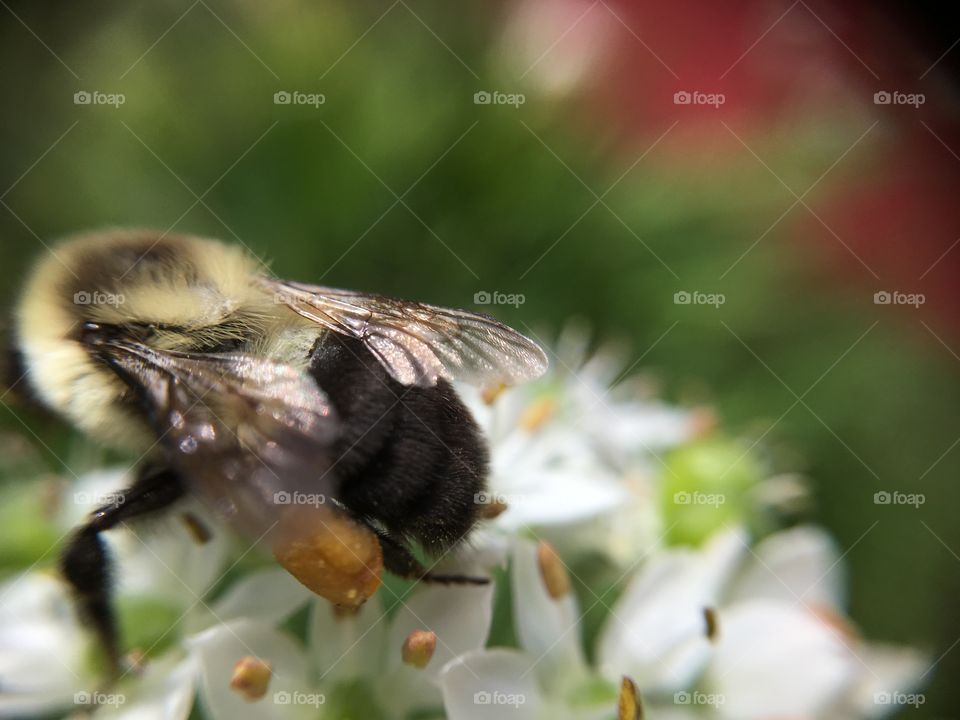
point(253, 438)
point(242, 430)
point(415, 342)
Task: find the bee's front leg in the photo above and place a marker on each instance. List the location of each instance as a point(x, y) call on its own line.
point(85, 562)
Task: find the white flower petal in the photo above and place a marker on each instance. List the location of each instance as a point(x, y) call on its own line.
point(269, 595)
point(484, 550)
point(165, 691)
point(800, 565)
point(161, 559)
point(459, 615)
point(632, 530)
point(91, 490)
point(552, 478)
point(657, 630)
point(164, 561)
point(775, 660)
point(548, 629)
point(490, 685)
point(889, 670)
point(631, 428)
point(42, 646)
point(219, 648)
point(347, 646)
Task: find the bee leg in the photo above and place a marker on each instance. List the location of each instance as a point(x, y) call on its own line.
point(398, 559)
point(85, 562)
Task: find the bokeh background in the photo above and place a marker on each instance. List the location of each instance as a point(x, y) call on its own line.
point(785, 187)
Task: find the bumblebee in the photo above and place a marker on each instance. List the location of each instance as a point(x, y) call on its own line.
point(249, 392)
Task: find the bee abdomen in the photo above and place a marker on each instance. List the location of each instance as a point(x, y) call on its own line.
point(410, 458)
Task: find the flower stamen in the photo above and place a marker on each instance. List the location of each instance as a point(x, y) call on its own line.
point(418, 648)
point(553, 571)
point(629, 704)
point(251, 677)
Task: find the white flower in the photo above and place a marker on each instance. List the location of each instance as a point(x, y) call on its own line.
point(42, 648)
point(780, 646)
point(45, 661)
point(534, 682)
point(656, 630)
point(575, 457)
point(723, 630)
point(366, 646)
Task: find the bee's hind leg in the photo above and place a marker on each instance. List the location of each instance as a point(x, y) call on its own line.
point(85, 562)
point(398, 559)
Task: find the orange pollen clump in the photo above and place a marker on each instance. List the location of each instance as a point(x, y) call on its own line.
point(331, 554)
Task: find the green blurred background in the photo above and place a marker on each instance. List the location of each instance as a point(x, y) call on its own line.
point(398, 182)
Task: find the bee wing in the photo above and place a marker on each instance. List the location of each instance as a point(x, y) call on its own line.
point(418, 343)
point(239, 428)
point(248, 434)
